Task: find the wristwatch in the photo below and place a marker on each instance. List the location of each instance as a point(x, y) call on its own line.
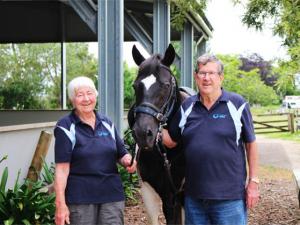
point(254, 179)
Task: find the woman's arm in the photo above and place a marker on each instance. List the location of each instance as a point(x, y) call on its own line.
point(60, 182)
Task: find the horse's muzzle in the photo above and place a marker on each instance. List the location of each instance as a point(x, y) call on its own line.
point(145, 137)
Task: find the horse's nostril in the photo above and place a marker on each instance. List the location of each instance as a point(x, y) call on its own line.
point(149, 133)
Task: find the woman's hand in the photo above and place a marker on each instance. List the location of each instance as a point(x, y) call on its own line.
point(62, 215)
point(126, 162)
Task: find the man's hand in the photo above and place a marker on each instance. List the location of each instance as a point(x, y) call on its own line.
point(252, 194)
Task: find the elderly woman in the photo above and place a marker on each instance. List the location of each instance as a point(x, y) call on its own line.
point(87, 147)
point(216, 130)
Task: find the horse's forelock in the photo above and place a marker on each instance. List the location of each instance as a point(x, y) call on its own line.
point(149, 65)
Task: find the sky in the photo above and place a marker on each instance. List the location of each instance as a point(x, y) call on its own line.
point(230, 36)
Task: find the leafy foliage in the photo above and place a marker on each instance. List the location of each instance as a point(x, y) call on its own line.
point(248, 84)
point(129, 77)
point(3, 158)
point(30, 73)
point(264, 67)
point(285, 15)
point(130, 181)
point(26, 203)
point(179, 9)
point(285, 84)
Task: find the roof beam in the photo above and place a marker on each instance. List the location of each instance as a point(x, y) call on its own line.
point(87, 13)
point(137, 31)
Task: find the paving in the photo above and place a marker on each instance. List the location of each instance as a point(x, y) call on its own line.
point(279, 153)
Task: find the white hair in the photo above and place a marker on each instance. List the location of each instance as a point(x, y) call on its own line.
point(78, 82)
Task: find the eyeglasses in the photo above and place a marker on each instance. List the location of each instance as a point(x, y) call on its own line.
point(202, 74)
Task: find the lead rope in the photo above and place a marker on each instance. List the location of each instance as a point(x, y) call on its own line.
point(163, 152)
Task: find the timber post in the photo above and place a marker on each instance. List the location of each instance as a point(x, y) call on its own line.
point(39, 155)
point(291, 122)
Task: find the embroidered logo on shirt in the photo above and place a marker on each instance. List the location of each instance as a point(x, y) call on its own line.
point(102, 133)
point(219, 116)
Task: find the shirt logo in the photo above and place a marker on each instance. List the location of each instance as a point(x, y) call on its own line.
point(219, 116)
point(102, 133)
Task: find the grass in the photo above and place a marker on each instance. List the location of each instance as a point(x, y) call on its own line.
point(284, 136)
point(274, 173)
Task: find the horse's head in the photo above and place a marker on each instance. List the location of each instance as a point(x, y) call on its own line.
point(155, 91)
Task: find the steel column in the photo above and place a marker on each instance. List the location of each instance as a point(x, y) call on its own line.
point(63, 82)
point(110, 49)
point(187, 35)
point(161, 25)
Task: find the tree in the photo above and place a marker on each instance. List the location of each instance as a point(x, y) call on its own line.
point(129, 77)
point(24, 75)
point(179, 9)
point(286, 17)
point(285, 84)
point(255, 61)
point(246, 83)
point(79, 63)
point(30, 73)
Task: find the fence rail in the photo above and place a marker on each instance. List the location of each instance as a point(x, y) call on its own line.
point(274, 123)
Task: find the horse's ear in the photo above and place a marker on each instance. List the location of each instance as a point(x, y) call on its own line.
point(169, 56)
point(137, 56)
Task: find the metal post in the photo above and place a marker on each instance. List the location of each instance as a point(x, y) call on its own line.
point(110, 49)
point(187, 34)
point(161, 26)
point(63, 76)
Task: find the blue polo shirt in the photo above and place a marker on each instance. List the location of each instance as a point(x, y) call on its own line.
point(213, 141)
point(92, 155)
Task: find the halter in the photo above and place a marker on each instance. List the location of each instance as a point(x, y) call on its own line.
point(162, 114)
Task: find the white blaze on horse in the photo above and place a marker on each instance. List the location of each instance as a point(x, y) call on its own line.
point(161, 170)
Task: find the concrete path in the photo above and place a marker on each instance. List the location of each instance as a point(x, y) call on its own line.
point(279, 153)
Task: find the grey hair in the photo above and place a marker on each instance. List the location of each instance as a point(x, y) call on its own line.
point(206, 58)
point(78, 82)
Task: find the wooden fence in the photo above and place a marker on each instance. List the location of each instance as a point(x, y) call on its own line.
point(274, 123)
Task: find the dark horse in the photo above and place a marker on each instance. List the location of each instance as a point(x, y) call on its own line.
point(161, 170)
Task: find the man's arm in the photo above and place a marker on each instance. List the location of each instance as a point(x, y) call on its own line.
point(252, 190)
point(167, 140)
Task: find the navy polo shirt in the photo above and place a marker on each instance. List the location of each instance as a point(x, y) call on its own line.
point(213, 141)
point(92, 155)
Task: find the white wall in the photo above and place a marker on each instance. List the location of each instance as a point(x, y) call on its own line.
point(19, 143)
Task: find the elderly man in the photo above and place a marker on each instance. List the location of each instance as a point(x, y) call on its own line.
point(216, 130)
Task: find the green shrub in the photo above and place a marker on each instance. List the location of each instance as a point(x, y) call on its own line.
point(130, 181)
point(28, 203)
point(3, 158)
point(48, 174)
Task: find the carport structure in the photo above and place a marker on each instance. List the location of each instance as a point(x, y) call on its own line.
point(110, 22)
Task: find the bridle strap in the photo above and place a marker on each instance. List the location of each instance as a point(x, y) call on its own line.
point(162, 114)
